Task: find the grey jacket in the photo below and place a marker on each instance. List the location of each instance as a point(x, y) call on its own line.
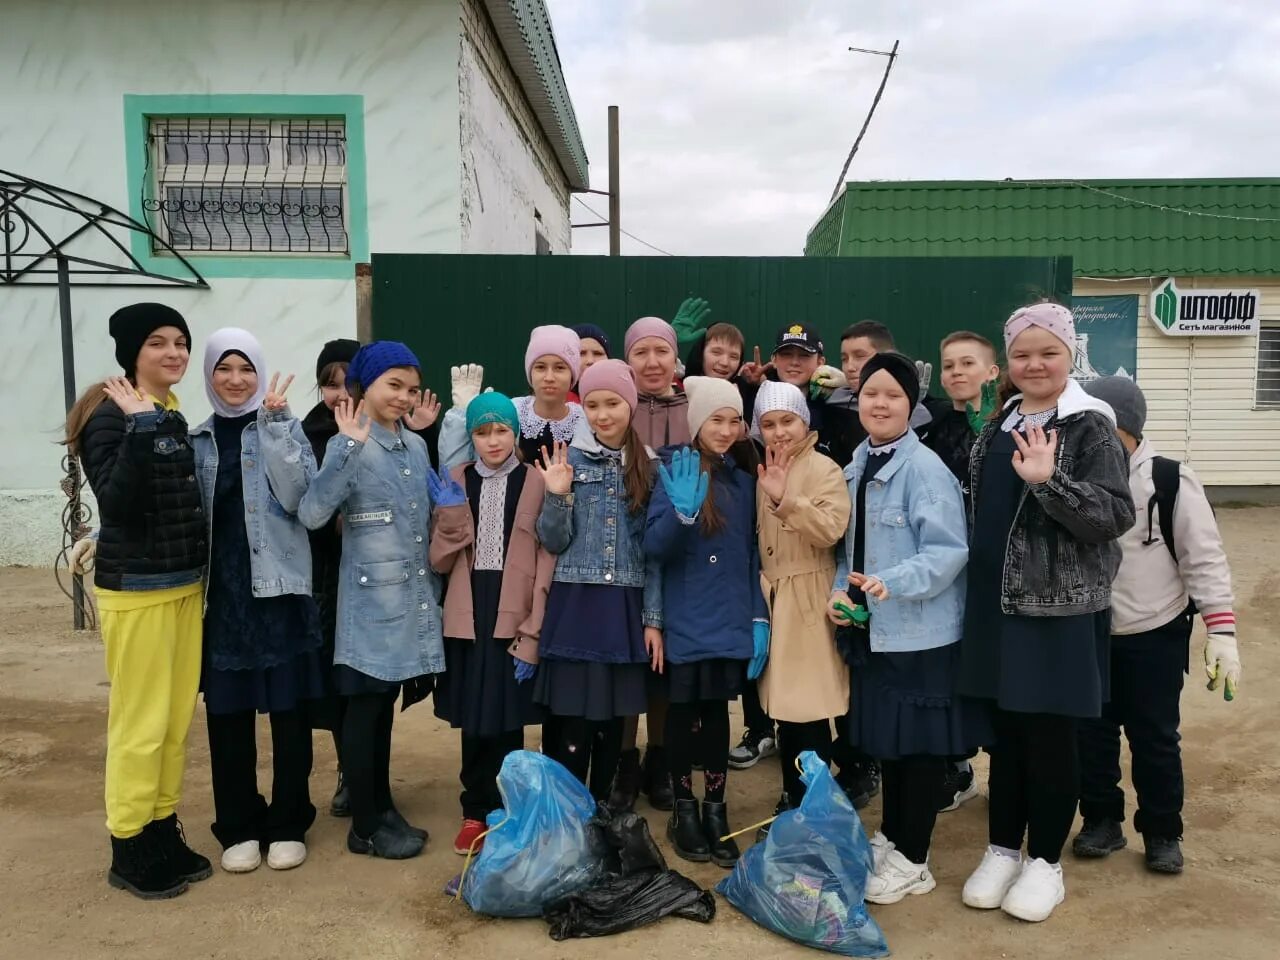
point(1062, 552)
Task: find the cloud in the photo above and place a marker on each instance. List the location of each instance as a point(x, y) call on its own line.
point(736, 115)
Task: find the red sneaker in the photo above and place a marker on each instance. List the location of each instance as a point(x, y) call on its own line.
point(467, 835)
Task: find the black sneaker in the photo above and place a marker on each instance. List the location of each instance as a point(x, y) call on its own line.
point(784, 804)
point(139, 865)
point(1099, 838)
point(752, 748)
point(340, 805)
point(1164, 854)
point(959, 786)
point(861, 783)
point(387, 842)
point(186, 863)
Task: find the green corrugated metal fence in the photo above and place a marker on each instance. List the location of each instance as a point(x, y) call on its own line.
point(457, 308)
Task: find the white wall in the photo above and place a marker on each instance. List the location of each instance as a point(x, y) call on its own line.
point(1200, 390)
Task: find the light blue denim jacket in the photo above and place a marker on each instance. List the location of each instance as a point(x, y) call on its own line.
point(594, 533)
point(276, 464)
point(389, 621)
point(916, 544)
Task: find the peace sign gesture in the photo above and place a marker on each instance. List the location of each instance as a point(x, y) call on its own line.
point(754, 372)
point(275, 401)
point(772, 474)
point(125, 396)
point(556, 472)
point(1035, 458)
point(352, 420)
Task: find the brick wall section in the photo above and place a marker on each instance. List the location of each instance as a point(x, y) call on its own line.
point(478, 32)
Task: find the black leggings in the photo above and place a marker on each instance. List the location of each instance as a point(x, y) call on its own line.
point(366, 758)
point(753, 714)
point(712, 743)
point(589, 749)
point(1034, 783)
point(793, 740)
point(912, 791)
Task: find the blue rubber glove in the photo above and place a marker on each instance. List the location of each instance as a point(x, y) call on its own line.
point(685, 482)
point(760, 638)
point(524, 671)
point(445, 491)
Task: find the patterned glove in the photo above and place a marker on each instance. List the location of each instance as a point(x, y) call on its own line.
point(825, 381)
point(760, 640)
point(1222, 663)
point(445, 491)
point(690, 321)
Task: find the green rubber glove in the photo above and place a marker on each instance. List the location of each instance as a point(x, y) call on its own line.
point(858, 616)
point(690, 321)
point(978, 418)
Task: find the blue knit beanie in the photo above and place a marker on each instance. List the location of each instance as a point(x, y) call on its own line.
point(585, 330)
point(492, 408)
point(374, 359)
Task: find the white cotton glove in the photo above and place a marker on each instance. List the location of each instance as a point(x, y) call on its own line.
point(924, 373)
point(82, 554)
point(1222, 663)
point(466, 381)
point(825, 381)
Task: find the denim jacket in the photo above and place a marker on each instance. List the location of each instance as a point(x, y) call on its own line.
point(594, 533)
point(389, 622)
point(1063, 549)
point(276, 464)
point(914, 543)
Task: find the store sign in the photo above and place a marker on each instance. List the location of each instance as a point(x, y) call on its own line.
point(1204, 313)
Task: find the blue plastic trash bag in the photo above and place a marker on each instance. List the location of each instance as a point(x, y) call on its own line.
point(540, 849)
point(806, 880)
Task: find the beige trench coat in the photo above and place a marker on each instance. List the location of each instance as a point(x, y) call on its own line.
point(805, 679)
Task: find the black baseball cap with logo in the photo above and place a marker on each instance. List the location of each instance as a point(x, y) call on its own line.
point(800, 335)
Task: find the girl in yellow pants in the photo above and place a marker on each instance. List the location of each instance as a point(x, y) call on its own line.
point(133, 444)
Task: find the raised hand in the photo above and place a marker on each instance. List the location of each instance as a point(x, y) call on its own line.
point(871, 586)
point(685, 482)
point(653, 644)
point(444, 490)
point(691, 320)
point(978, 418)
point(352, 420)
point(1036, 457)
point(772, 474)
point(465, 382)
point(425, 413)
point(754, 372)
point(924, 373)
point(125, 396)
point(557, 474)
point(825, 381)
point(275, 400)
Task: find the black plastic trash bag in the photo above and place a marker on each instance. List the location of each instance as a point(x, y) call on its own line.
point(637, 889)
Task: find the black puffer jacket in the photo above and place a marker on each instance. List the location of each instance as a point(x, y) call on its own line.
point(142, 472)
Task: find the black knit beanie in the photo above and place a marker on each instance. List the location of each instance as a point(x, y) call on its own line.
point(898, 366)
point(336, 351)
point(130, 326)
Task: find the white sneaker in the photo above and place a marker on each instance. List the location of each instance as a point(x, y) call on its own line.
point(242, 858)
point(986, 887)
point(880, 847)
point(286, 854)
point(896, 877)
point(1039, 889)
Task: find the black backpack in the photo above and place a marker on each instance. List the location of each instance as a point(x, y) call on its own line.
point(1166, 477)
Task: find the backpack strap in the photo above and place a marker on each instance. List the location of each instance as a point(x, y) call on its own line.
point(1166, 477)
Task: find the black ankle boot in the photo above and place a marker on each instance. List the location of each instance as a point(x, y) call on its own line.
point(715, 824)
point(684, 830)
point(394, 819)
point(626, 784)
point(657, 779)
point(139, 865)
point(340, 805)
point(186, 863)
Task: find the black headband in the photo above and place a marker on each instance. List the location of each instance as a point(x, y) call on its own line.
point(901, 368)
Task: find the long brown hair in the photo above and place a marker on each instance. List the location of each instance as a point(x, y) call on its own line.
point(637, 474)
point(711, 520)
point(93, 397)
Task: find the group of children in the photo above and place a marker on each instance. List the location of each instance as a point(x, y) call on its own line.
point(830, 544)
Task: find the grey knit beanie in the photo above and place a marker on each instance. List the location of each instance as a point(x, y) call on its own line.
point(1125, 398)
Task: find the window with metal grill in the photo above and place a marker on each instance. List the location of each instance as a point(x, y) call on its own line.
point(1267, 392)
point(245, 185)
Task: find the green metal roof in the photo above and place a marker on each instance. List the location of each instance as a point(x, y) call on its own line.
point(1111, 228)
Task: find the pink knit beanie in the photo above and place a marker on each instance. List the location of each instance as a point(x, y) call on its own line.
point(612, 375)
point(648, 327)
point(553, 341)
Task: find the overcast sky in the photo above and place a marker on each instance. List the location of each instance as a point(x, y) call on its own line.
point(736, 115)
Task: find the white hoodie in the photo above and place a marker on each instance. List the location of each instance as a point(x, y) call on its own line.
point(1151, 590)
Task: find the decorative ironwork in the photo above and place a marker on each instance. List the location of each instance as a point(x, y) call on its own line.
point(247, 185)
point(40, 224)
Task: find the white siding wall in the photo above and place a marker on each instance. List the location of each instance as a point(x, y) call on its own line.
point(1200, 390)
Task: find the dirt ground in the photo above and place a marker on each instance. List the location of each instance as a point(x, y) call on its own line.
point(55, 903)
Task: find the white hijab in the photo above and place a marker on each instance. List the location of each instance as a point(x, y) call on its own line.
point(220, 343)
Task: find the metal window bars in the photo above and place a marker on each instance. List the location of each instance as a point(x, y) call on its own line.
point(247, 185)
point(1267, 388)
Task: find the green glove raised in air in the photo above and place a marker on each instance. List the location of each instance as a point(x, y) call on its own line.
point(978, 418)
point(690, 321)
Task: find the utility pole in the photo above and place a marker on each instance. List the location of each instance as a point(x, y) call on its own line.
point(615, 199)
point(892, 55)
